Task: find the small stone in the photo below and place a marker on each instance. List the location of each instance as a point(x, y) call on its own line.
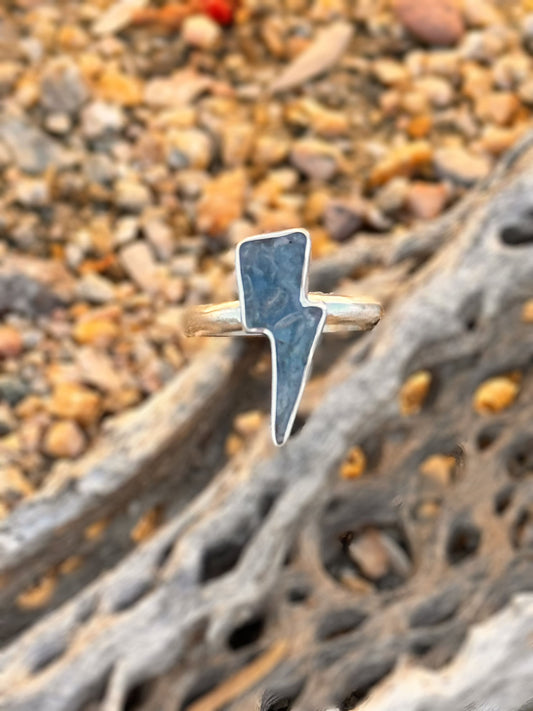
point(500, 107)
point(461, 166)
point(193, 146)
point(100, 118)
point(307, 112)
point(237, 143)
point(117, 16)
point(64, 440)
point(222, 202)
point(11, 342)
point(370, 555)
point(95, 288)
point(270, 149)
point(58, 123)
point(32, 149)
point(342, 219)
point(248, 423)
point(389, 72)
point(119, 88)
point(160, 236)
point(200, 31)
point(179, 89)
point(96, 368)
point(403, 161)
point(437, 90)
point(63, 88)
point(75, 402)
point(12, 389)
point(414, 392)
point(132, 195)
point(392, 196)
point(322, 54)
point(354, 465)
point(495, 394)
point(97, 331)
point(426, 200)
point(496, 140)
point(32, 192)
point(436, 23)
point(7, 422)
point(126, 230)
point(316, 159)
point(483, 47)
point(138, 261)
point(527, 311)
point(12, 480)
point(440, 468)
point(482, 13)
point(147, 525)
point(511, 70)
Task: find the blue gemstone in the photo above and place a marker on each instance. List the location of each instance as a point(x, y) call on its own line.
point(272, 273)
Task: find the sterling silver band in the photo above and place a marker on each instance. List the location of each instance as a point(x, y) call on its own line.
point(343, 313)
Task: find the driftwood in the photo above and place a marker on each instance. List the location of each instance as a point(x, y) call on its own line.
point(247, 593)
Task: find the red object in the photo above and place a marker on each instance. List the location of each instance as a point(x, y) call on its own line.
point(219, 10)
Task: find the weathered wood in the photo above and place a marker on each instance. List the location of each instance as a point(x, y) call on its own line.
point(200, 592)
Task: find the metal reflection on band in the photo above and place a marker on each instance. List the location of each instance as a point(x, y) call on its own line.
point(342, 314)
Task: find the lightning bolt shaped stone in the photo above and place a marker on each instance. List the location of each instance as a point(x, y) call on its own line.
point(272, 278)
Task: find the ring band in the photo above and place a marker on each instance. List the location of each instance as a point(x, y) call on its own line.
point(271, 271)
point(342, 314)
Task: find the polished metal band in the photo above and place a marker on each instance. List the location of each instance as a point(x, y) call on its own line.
point(343, 313)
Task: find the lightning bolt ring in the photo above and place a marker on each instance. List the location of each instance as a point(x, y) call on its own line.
point(272, 272)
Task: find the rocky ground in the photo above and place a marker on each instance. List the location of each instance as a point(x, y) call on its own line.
point(139, 142)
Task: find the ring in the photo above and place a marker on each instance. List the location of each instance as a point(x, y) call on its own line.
point(272, 271)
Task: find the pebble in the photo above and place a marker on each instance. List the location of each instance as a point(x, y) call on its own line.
point(461, 166)
point(437, 90)
point(189, 148)
point(495, 394)
point(342, 219)
point(100, 118)
point(403, 161)
point(97, 369)
point(95, 288)
point(117, 16)
point(32, 192)
point(322, 54)
point(389, 72)
point(98, 331)
point(440, 468)
point(160, 236)
point(200, 31)
point(115, 87)
point(426, 200)
point(32, 149)
point(237, 143)
point(73, 401)
point(12, 389)
point(132, 195)
point(438, 22)
point(414, 392)
point(316, 159)
point(370, 554)
point(64, 440)
point(222, 202)
point(11, 342)
point(58, 123)
point(63, 87)
point(499, 107)
point(354, 465)
point(139, 263)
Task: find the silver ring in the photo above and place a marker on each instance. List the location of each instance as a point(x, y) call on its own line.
point(272, 273)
